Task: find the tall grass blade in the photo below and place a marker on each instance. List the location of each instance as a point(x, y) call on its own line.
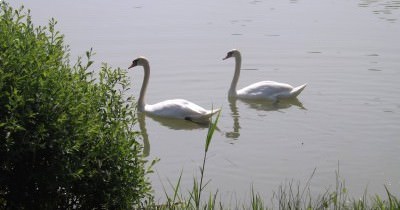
point(211, 129)
point(177, 186)
point(198, 190)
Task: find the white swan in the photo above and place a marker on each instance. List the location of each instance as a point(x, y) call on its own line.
point(264, 90)
point(175, 108)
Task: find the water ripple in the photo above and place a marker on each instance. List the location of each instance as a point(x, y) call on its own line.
point(384, 9)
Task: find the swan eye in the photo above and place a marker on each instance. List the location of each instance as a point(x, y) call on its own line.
point(230, 54)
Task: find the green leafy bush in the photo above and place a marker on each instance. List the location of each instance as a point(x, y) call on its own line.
point(66, 139)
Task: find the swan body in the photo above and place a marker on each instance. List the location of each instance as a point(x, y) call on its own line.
point(269, 90)
point(174, 108)
point(181, 109)
point(264, 90)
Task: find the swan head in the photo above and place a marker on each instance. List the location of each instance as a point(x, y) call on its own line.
point(232, 53)
point(140, 61)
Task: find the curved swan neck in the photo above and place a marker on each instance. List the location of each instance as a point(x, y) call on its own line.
point(238, 63)
point(141, 101)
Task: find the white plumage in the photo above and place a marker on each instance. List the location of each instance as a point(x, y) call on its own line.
point(264, 90)
point(174, 108)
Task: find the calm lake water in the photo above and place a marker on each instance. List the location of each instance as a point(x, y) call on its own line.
point(347, 51)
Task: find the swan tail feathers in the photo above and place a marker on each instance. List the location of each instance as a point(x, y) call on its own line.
point(297, 90)
point(203, 119)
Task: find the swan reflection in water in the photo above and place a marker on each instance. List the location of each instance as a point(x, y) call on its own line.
point(235, 115)
point(143, 131)
point(260, 105)
point(263, 105)
point(171, 123)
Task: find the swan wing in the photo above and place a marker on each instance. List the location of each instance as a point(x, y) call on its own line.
point(179, 108)
point(265, 90)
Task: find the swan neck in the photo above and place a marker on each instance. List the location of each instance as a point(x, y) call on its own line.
point(141, 101)
point(238, 63)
